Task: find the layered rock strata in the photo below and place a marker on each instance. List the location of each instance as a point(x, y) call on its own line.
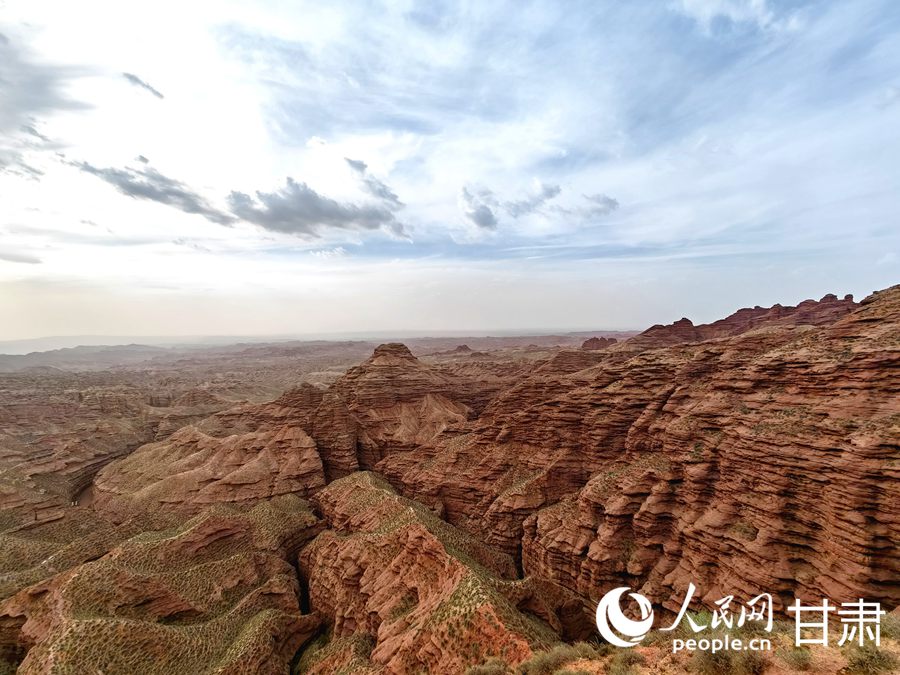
point(214, 595)
point(402, 591)
point(767, 461)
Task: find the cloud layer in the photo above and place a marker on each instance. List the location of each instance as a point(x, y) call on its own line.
point(298, 209)
point(722, 148)
point(148, 183)
point(29, 88)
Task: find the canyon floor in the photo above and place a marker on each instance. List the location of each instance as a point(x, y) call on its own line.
point(449, 505)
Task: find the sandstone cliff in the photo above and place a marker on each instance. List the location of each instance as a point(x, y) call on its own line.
point(809, 312)
point(423, 595)
point(598, 343)
point(391, 403)
point(763, 461)
point(757, 453)
point(242, 455)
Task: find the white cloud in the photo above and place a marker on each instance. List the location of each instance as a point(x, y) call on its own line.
point(643, 140)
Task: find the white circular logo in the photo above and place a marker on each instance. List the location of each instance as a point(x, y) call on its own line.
point(611, 620)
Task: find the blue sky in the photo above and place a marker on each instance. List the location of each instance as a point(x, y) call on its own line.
point(255, 168)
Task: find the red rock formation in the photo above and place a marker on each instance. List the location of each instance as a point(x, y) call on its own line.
point(567, 361)
point(426, 596)
point(189, 408)
point(598, 343)
point(215, 594)
point(57, 430)
point(242, 455)
point(761, 462)
point(459, 350)
point(391, 403)
point(775, 472)
point(53, 441)
point(757, 453)
point(809, 312)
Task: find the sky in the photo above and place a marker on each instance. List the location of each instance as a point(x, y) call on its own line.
point(290, 168)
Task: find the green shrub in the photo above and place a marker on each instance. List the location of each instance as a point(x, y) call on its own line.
point(602, 649)
point(623, 663)
point(870, 659)
point(734, 663)
point(796, 658)
point(707, 663)
point(890, 626)
point(492, 666)
point(550, 661)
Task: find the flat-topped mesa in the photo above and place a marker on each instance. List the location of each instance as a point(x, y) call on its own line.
point(808, 313)
point(396, 350)
point(458, 350)
point(390, 376)
point(305, 398)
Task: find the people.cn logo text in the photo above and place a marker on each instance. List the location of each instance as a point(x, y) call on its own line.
point(860, 622)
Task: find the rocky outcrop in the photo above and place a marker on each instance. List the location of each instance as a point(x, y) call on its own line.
point(424, 596)
point(775, 471)
point(391, 403)
point(242, 455)
point(754, 454)
point(596, 343)
point(189, 408)
point(761, 462)
point(59, 429)
point(567, 361)
point(459, 350)
point(808, 313)
point(215, 594)
point(53, 440)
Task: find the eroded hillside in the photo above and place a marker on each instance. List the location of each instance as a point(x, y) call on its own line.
point(431, 513)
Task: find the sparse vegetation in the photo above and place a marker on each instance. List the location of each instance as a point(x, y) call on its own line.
point(404, 606)
point(870, 659)
point(624, 663)
point(890, 626)
point(734, 663)
point(796, 658)
point(358, 647)
point(492, 666)
point(745, 530)
point(552, 660)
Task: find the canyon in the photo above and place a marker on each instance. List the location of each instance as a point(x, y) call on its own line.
point(441, 505)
